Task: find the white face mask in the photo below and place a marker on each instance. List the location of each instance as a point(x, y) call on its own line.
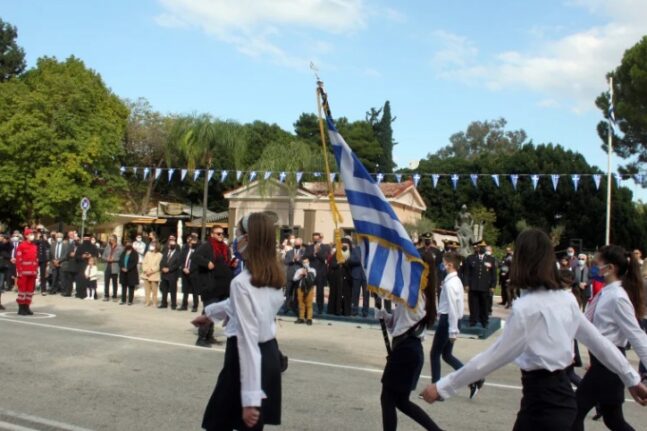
point(31, 237)
point(139, 238)
point(489, 253)
point(570, 254)
point(346, 254)
point(59, 239)
point(15, 239)
point(151, 248)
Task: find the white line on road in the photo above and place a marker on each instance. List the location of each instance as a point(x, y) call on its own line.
point(13, 427)
point(35, 419)
point(191, 346)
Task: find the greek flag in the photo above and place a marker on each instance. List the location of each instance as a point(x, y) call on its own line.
point(393, 266)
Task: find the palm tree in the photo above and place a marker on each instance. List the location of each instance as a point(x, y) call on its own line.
point(203, 142)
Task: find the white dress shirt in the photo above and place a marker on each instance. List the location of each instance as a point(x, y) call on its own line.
point(252, 312)
point(615, 318)
point(539, 336)
point(404, 318)
point(451, 302)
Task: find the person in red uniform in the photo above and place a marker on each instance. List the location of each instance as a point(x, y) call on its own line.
point(26, 272)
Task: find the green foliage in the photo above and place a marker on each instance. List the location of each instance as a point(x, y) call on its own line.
point(487, 216)
point(381, 120)
point(630, 93)
point(12, 56)
point(61, 129)
point(416, 229)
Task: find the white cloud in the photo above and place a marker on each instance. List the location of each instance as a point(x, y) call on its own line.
point(253, 26)
point(568, 70)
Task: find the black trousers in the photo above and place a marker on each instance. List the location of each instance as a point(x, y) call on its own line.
point(360, 286)
point(169, 286)
point(548, 402)
point(108, 277)
point(131, 293)
point(187, 289)
point(69, 277)
point(505, 295)
point(478, 301)
point(80, 283)
point(57, 281)
point(43, 276)
point(601, 387)
point(320, 282)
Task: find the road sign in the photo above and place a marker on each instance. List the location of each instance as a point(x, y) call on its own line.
point(85, 204)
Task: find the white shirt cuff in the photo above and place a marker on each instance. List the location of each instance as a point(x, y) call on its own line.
point(252, 398)
point(630, 378)
point(444, 389)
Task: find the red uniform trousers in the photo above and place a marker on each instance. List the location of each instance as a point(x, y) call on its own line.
point(26, 286)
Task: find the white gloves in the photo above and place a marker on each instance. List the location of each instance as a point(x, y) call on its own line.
point(381, 314)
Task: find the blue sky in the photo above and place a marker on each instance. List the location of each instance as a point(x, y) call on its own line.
point(539, 64)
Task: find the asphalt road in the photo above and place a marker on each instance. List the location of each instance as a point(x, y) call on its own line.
point(101, 366)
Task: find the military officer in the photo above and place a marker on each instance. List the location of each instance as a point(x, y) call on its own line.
point(479, 278)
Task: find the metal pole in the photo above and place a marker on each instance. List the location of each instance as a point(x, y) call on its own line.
point(607, 236)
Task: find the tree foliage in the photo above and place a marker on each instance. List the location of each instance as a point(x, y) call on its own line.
point(630, 94)
point(12, 56)
point(61, 132)
point(381, 120)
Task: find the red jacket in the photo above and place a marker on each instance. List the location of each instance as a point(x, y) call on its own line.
point(27, 259)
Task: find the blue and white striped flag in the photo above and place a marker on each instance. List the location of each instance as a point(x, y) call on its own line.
point(393, 266)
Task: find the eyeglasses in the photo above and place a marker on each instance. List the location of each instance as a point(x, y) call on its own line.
point(219, 233)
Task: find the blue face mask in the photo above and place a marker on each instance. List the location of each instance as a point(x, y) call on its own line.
point(594, 274)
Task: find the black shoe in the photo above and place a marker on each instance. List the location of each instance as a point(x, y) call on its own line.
point(122, 303)
point(194, 310)
point(27, 311)
point(213, 340)
point(21, 310)
point(182, 308)
point(130, 303)
point(67, 295)
point(475, 388)
point(309, 322)
point(173, 307)
point(202, 343)
point(162, 306)
point(299, 321)
point(598, 415)
point(106, 299)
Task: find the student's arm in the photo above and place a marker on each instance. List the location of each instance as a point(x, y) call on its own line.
point(452, 315)
point(606, 352)
point(625, 318)
point(218, 310)
point(507, 348)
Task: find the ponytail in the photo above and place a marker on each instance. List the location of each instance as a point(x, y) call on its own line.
point(628, 272)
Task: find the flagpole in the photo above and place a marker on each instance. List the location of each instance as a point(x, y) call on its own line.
point(607, 236)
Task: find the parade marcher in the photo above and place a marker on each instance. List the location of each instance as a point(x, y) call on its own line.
point(539, 336)
point(26, 272)
point(170, 267)
point(507, 294)
point(111, 254)
point(304, 281)
point(91, 275)
point(187, 285)
point(318, 253)
point(360, 283)
point(479, 278)
point(340, 281)
point(128, 273)
point(151, 274)
point(404, 363)
point(615, 311)
point(292, 262)
point(247, 395)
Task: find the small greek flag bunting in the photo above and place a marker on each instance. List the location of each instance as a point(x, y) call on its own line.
point(170, 174)
point(475, 179)
point(223, 176)
point(596, 180)
point(210, 175)
point(535, 181)
point(333, 176)
point(454, 179)
point(398, 177)
point(576, 181)
point(379, 178)
point(391, 262)
point(158, 172)
point(267, 176)
point(146, 171)
point(514, 179)
point(252, 176)
point(495, 178)
point(299, 177)
point(135, 170)
point(122, 170)
point(416, 180)
point(555, 180)
point(183, 174)
point(239, 175)
point(618, 179)
point(316, 174)
point(196, 174)
point(434, 179)
point(282, 176)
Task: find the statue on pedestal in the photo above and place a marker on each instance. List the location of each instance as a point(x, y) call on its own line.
point(464, 224)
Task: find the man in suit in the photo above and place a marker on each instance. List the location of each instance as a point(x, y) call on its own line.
point(84, 252)
point(292, 261)
point(111, 254)
point(479, 278)
point(43, 257)
point(582, 280)
point(359, 282)
point(58, 249)
point(170, 267)
point(430, 255)
point(70, 266)
point(185, 272)
point(317, 253)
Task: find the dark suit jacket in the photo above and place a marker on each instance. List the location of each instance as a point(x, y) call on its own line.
point(210, 283)
point(130, 277)
point(319, 260)
point(291, 264)
point(355, 262)
point(479, 275)
point(582, 276)
point(173, 264)
point(69, 263)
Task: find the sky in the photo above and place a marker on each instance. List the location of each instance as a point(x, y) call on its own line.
point(537, 63)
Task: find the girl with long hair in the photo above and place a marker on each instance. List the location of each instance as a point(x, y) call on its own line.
point(248, 392)
point(615, 311)
point(539, 336)
point(404, 364)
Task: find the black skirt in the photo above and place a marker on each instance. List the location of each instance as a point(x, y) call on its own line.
point(548, 402)
point(403, 366)
point(224, 410)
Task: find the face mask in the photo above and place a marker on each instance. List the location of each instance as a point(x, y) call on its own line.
point(151, 248)
point(570, 254)
point(193, 245)
point(306, 265)
point(481, 250)
point(31, 237)
point(581, 262)
point(93, 241)
point(298, 246)
point(594, 274)
point(427, 242)
point(171, 245)
point(139, 238)
point(344, 249)
point(345, 253)
point(15, 239)
point(489, 253)
point(59, 239)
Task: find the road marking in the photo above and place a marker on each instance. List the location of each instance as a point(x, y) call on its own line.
point(191, 346)
point(13, 427)
point(38, 420)
point(36, 315)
